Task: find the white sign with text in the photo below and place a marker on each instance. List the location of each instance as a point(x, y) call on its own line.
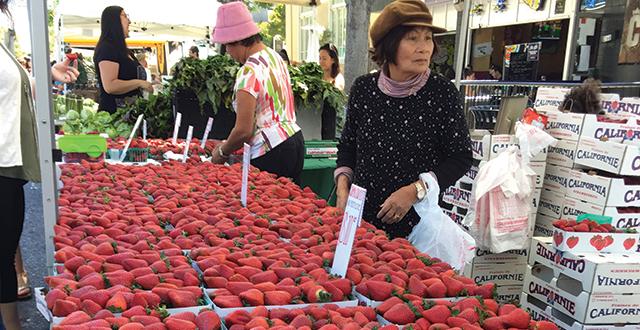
point(350, 222)
point(185, 154)
point(176, 127)
point(133, 132)
point(246, 163)
point(206, 132)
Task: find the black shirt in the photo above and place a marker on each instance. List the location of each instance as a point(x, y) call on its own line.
point(128, 70)
point(389, 141)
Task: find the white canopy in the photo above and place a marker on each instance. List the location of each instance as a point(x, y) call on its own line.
point(159, 20)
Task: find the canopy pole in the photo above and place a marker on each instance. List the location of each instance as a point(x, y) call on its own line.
point(572, 41)
point(461, 47)
point(44, 120)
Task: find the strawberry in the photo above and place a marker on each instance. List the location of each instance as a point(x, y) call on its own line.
point(238, 287)
point(557, 238)
point(62, 308)
point(301, 321)
point(238, 316)
point(267, 276)
point(545, 325)
point(289, 272)
point(103, 314)
point(506, 309)
point(227, 301)
point(252, 297)
point(439, 326)
point(470, 315)
point(437, 314)
point(343, 284)
point(277, 298)
point(518, 318)
point(187, 316)
point(470, 326)
point(145, 319)
point(492, 305)
point(583, 228)
point(387, 304)
point(400, 314)
point(378, 290)
point(336, 294)
point(318, 294)
point(134, 311)
point(629, 243)
point(437, 290)
point(454, 287)
point(208, 320)
point(456, 322)
point(177, 324)
point(598, 243)
point(90, 307)
point(54, 295)
point(77, 317)
point(147, 282)
point(608, 240)
point(493, 323)
point(417, 287)
point(117, 303)
point(182, 298)
point(486, 291)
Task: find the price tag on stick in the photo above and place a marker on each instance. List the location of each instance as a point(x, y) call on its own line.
point(187, 144)
point(133, 132)
point(176, 128)
point(144, 130)
point(206, 132)
point(246, 163)
point(350, 222)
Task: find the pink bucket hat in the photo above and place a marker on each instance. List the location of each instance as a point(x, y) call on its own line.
point(234, 23)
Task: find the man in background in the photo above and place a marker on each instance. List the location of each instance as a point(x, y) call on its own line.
point(194, 52)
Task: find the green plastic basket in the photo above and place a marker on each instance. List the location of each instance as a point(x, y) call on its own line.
point(137, 155)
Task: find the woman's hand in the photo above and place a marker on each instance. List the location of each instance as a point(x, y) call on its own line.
point(397, 205)
point(64, 73)
point(146, 86)
point(215, 155)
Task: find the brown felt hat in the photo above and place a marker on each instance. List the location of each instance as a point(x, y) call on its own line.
point(402, 12)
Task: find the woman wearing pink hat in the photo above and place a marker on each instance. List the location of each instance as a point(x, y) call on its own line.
point(266, 118)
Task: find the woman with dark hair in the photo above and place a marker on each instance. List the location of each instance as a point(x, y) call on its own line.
point(116, 65)
point(403, 123)
point(285, 56)
point(266, 118)
point(18, 164)
point(330, 64)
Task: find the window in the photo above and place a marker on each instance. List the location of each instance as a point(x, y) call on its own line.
point(307, 17)
point(338, 25)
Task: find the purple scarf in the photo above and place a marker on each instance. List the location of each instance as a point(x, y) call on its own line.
point(402, 89)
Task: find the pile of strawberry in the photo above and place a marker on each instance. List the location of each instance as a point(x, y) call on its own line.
point(120, 142)
point(140, 319)
point(160, 147)
point(466, 314)
point(327, 317)
point(122, 231)
point(586, 225)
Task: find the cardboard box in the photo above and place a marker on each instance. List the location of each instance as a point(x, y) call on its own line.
point(622, 219)
point(512, 256)
point(551, 203)
point(503, 273)
point(470, 176)
point(566, 126)
point(539, 168)
point(544, 225)
point(480, 151)
point(562, 154)
point(549, 99)
point(578, 242)
point(602, 190)
point(598, 273)
point(457, 196)
point(41, 304)
point(615, 132)
point(565, 295)
point(617, 158)
point(572, 208)
point(508, 294)
point(542, 312)
point(535, 200)
point(556, 178)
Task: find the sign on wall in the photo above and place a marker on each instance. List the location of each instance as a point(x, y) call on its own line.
point(630, 42)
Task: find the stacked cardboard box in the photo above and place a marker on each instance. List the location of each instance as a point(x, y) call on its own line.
point(585, 290)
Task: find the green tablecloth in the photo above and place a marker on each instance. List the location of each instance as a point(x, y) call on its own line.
point(317, 174)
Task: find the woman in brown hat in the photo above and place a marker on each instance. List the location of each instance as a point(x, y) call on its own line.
point(402, 122)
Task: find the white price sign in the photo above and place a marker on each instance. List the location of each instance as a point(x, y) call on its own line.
point(133, 132)
point(206, 132)
point(350, 222)
point(187, 143)
point(246, 163)
point(144, 130)
point(176, 127)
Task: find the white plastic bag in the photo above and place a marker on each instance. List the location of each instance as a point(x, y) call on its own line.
point(532, 140)
point(436, 234)
point(498, 217)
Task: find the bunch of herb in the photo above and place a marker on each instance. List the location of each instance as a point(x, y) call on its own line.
point(88, 122)
point(211, 79)
point(309, 87)
point(157, 112)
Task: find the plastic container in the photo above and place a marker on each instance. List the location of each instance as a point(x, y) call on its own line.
point(137, 155)
point(89, 147)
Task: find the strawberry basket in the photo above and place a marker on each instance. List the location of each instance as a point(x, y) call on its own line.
point(137, 154)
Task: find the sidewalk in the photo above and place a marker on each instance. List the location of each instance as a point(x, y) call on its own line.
point(33, 256)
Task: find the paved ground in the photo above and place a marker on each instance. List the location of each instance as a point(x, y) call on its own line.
point(33, 256)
